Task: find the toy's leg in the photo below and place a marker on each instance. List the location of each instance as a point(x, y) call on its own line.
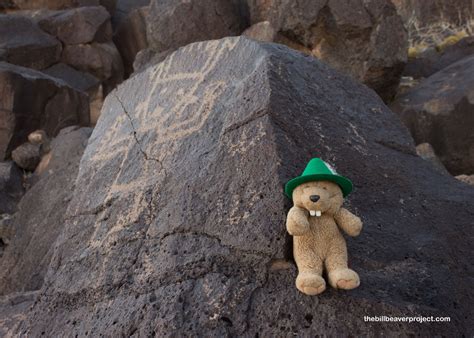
point(339, 275)
point(310, 269)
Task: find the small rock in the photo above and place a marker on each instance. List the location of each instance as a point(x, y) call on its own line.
point(426, 152)
point(27, 156)
point(262, 31)
point(469, 179)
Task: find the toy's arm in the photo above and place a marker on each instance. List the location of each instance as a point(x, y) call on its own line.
point(347, 221)
point(297, 221)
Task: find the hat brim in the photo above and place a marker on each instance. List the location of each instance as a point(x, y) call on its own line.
point(344, 183)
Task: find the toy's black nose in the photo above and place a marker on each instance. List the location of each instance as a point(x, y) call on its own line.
point(314, 198)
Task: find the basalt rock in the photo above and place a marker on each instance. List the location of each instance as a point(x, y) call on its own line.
point(432, 61)
point(440, 111)
point(99, 59)
point(23, 43)
point(175, 23)
point(79, 25)
point(177, 220)
point(365, 39)
point(130, 37)
point(41, 215)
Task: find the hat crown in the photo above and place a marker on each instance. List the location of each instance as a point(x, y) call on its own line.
point(318, 166)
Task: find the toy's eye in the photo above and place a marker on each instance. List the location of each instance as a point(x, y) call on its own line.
point(325, 188)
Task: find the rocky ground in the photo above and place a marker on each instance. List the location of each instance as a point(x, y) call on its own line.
point(142, 166)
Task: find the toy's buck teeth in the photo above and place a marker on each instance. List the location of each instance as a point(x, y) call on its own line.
point(315, 213)
point(318, 213)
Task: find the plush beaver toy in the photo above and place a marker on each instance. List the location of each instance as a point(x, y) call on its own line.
point(314, 222)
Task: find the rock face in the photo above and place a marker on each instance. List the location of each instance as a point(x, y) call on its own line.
point(130, 37)
point(440, 111)
point(177, 221)
point(204, 20)
point(41, 215)
point(420, 14)
point(365, 39)
point(81, 81)
point(32, 100)
point(80, 25)
point(432, 61)
point(23, 43)
point(99, 59)
point(11, 188)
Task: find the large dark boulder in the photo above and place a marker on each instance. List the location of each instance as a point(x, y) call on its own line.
point(41, 214)
point(31, 100)
point(23, 43)
point(79, 25)
point(175, 23)
point(440, 111)
point(365, 39)
point(177, 221)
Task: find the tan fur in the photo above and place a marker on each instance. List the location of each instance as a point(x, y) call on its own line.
point(318, 242)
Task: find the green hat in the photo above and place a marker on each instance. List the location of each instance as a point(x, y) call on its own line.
point(318, 170)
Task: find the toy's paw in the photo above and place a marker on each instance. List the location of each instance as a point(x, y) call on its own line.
point(310, 283)
point(298, 229)
point(356, 226)
point(346, 279)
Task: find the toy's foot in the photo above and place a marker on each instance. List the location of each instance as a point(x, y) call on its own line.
point(310, 283)
point(346, 279)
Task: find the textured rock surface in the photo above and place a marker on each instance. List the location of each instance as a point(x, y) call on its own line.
point(41, 215)
point(177, 222)
point(31, 100)
point(130, 37)
point(420, 13)
point(175, 23)
point(440, 111)
point(431, 61)
point(76, 79)
point(11, 188)
point(365, 39)
point(80, 25)
point(25, 44)
point(27, 156)
point(100, 59)
point(81, 81)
